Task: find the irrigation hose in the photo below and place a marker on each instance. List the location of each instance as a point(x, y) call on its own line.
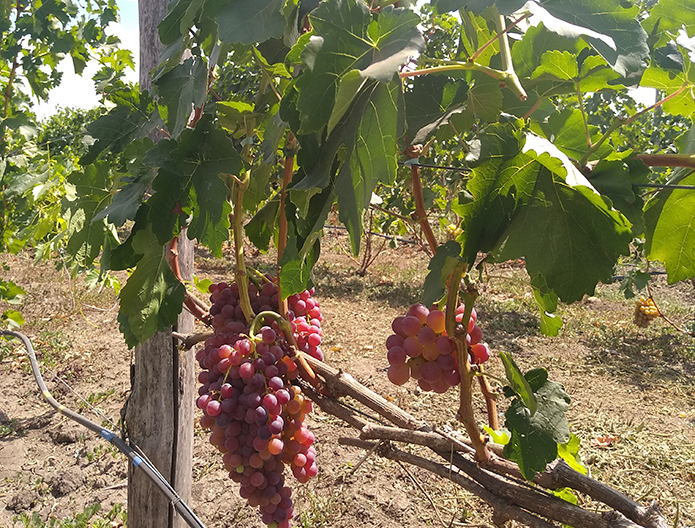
point(138, 461)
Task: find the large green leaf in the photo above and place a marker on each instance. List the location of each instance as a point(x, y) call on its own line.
point(670, 230)
point(667, 18)
point(347, 39)
point(250, 21)
point(558, 229)
point(498, 185)
point(609, 26)
point(182, 89)
point(153, 297)
point(180, 16)
point(126, 201)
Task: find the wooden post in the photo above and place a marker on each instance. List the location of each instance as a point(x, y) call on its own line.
point(159, 416)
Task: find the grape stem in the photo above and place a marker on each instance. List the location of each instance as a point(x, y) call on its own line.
point(418, 197)
point(465, 413)
point(290, 148)
point(285, 327)
point(240, 275)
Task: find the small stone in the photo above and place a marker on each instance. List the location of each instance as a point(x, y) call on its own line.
point(65, 434)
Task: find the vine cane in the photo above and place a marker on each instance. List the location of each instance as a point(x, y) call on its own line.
point(138, 461)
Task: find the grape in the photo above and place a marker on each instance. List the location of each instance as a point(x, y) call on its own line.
point(248, 404)
point(420, 311)
point(399, 374)
point(436, 320)
point(480, 353)
point(432, 353)
point(411, 325)
point(396, 355)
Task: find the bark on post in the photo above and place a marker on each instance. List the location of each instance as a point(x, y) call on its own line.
point(160, 410)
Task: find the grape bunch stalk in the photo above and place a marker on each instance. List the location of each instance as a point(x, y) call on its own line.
point(254, 413)
point(421, 348)
point(645, 312)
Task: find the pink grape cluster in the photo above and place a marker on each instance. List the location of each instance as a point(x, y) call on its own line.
point(303, 311)
point(420, 348)
point(256, 417)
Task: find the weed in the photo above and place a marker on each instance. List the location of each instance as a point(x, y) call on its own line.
point(116, 517)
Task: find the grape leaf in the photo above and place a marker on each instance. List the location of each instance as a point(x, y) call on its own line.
point(261, 228)
point(126, 201)
point(669, 16)
point(429, 104)
point(670, 230)
point(347, 38)
point(609, 26)
point(441, 265)
point(153, 297)
point(180, 16)
point(569, 452)
point(250, 21)
point(547, 303)
point(303, 241)
point(535, 437)
point(182, 89)
point(135, 118)
point(564, 252)
point(92, 190)
point(518, 382)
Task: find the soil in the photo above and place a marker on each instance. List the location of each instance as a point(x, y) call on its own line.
point(636, 386)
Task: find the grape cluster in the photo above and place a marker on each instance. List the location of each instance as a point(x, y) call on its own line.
point(420, 348)
point(303, 312)
point(645, 312)
point(256, 417)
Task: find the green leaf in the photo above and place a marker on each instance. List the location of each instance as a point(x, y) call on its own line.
point(350, 84)
point(670, 16)
point(547, 303)
point(153, 297)
point(609, 26)
point(182, 89)
point(261, 228)
point(441, 265)
point(347, 38)
point(528, 53)
point(180, 17)
point(669, 82)
point(518, 383)
point(558, 64)
point(250, 21)
point(430, 103)
point(12, 318)
point(614, 179)
point(304, 241)
point(10, 292)
point(134, 119)
point(93, 192)
point(574, 216)
point(670, 230)
point(569, 452)
point(535, 437)
point(498, 437)
point(125, 202)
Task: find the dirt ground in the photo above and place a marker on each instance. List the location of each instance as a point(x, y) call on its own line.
point(637, 386)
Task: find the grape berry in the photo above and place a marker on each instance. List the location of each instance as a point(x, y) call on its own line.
point(256, 417)
point(420, 348)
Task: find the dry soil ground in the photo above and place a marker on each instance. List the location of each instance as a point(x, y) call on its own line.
point(632, 384)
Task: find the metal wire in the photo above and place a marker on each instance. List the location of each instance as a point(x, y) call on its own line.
point(131, 451)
